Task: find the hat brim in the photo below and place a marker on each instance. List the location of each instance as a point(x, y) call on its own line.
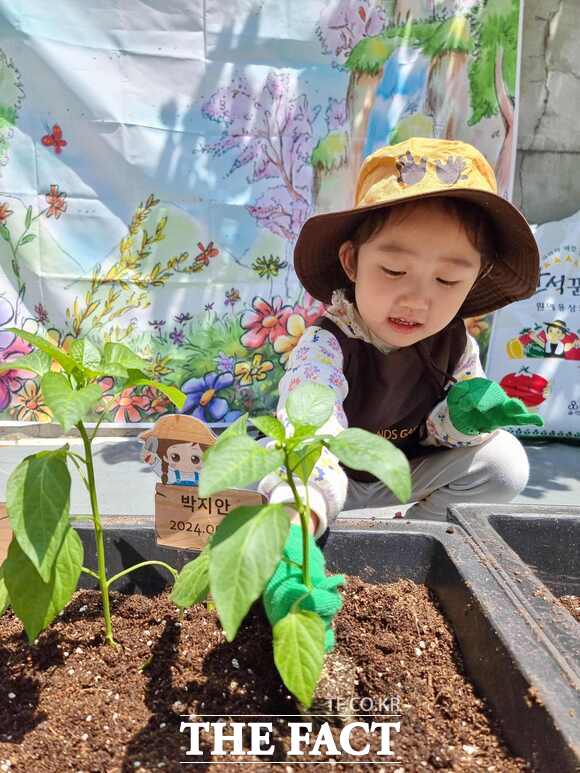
point(515, 271)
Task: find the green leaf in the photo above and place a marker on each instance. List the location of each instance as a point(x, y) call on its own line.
point(310, 404)
point(28, 218)
point(301, 433)
point(59, 356)
point(27, 239)
point(238, 428)
point(270, 426)
point(299, 653)
point(235, 463)
point(37, 362)
point(4, 232)
point(68, 405)
point(4, 597)
point(362, 450)
point(109, 369)
point(138, 378)
point(302, 460)
point(85, 353)
point(244, 552)
point(120, 354)
point(192, 583)
point(35, 602)
point(37, 501)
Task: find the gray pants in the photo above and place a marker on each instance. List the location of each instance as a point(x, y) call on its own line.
point(494, 472)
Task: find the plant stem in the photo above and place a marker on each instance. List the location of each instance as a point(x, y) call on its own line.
point(304, 518)
point(99, 537)
point(138, 566)
point(97, 425)
point(90, 572)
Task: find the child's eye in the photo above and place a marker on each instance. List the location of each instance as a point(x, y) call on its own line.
point(195, 459)
point(175, 457)
point(446, 283)
point(390, 272)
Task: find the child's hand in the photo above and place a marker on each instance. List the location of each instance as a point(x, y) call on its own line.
point(480, 405)
point(285, 586)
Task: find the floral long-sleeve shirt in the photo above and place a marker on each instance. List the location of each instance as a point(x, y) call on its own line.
point(318, 358)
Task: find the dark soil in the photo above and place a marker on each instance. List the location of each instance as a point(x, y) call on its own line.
point(572, 604)
point(70, 703)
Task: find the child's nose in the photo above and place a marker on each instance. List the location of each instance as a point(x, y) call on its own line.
point(414, 301)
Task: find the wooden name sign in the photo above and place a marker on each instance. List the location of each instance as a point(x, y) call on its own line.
point(174, 448)
point(183, 519)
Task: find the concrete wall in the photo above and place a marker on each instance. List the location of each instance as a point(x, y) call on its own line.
point(547, 185)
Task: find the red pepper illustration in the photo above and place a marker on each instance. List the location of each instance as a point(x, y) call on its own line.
point(531, 388)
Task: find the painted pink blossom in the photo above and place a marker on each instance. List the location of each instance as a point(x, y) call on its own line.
point(266, 322)
point(271, 132)
point(128, 404)
point(336, 114)
point(11, 380)
point(311, 311)
point(342, 25)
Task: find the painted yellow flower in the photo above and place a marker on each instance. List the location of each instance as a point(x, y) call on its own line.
point(61, 341)
point(246, 372)
point(29, 405)
point(284, 344)
point(160, 366)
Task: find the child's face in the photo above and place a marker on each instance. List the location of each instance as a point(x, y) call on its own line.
point(185, 457)
point(412, 277)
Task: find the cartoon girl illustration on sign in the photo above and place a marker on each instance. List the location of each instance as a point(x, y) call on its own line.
point(175, 446)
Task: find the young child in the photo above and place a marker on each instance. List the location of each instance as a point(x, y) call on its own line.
point(427, 244)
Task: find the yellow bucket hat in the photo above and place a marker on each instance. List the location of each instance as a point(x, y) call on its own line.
point(425, 168)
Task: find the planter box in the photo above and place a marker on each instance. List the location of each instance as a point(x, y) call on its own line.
point(498, 640)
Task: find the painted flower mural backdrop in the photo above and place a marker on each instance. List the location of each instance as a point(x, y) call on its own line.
point(190, 263)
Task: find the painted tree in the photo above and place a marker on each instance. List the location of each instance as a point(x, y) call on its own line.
point(409, 10)
point(272, 133)
point(492, 75)
point(343, 25)
point(330, 158)
point(350, 32)
point(447, 96)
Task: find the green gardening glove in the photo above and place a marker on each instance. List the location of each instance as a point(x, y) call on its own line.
point(285, 586)
point(480, 405)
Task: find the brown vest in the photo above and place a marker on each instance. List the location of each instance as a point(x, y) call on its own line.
point(393, 394)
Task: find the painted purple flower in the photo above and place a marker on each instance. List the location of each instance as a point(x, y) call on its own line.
point(157, 324)
point(182, 317)
point(232, 297)
point(176, 336)
point(40, 314)
point(202, 400)
point(225, 364)
point(209, 306)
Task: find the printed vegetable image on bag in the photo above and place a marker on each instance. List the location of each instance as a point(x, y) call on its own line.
point(534, 348)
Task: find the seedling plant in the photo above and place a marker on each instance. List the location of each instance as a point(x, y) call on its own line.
point(248, 544)
point(45, 557)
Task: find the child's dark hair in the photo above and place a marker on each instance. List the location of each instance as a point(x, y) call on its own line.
point(477, 225)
